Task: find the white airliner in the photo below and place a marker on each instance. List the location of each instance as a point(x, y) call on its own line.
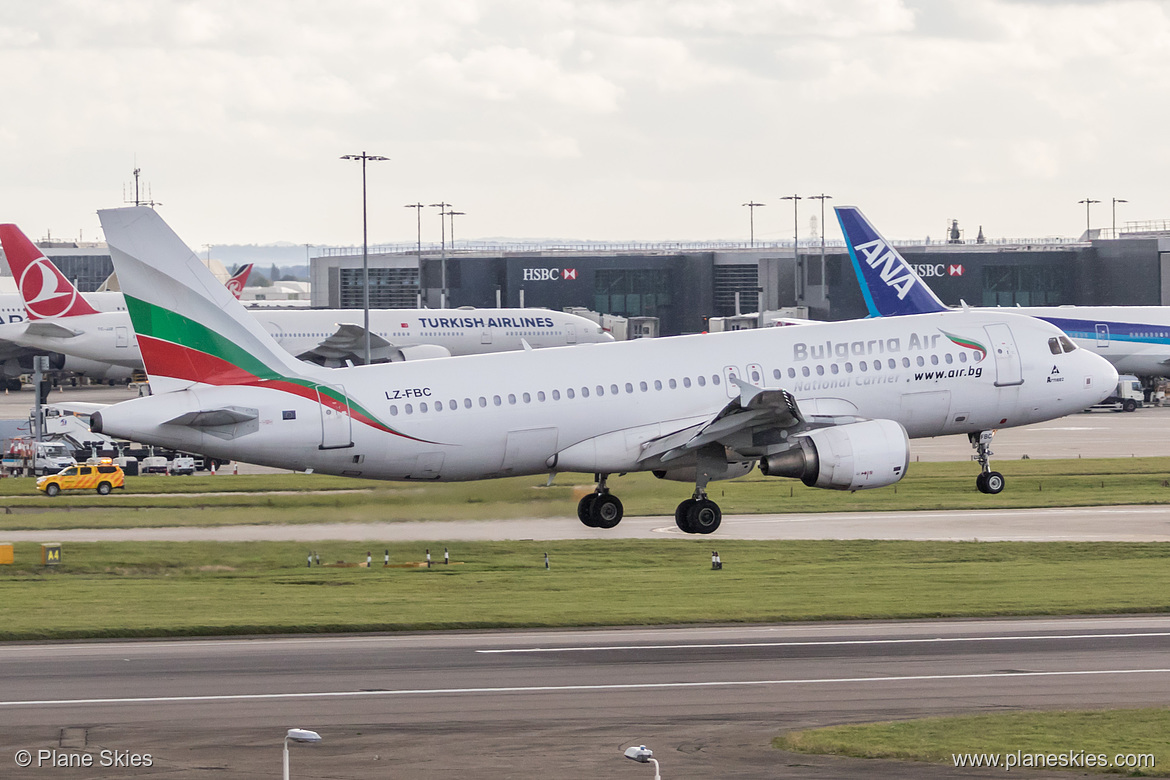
point(831, 404)
point(62, 321)
point(1135, 339)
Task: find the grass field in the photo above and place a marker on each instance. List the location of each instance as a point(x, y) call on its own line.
point(1132, 733)
point(157, 589)
point(311, 498)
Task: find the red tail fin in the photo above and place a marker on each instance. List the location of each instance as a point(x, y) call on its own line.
point(238, 282)
point(46, 291)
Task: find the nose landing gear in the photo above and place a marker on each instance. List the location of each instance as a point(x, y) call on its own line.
point(600, 509)
point(988, 481)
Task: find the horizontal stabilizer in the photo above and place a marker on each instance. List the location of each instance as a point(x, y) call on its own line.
point(50, 330)
point(210, 418)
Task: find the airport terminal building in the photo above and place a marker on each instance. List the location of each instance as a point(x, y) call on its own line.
point(684, 285)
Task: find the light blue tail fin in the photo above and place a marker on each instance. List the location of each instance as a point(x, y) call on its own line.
point(888, 283)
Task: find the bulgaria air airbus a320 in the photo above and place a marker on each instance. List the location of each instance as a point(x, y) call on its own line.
point(831, 404)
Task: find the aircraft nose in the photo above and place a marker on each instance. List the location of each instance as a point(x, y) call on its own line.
point(1100, 376)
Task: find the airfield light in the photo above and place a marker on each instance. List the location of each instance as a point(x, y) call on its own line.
point(442, 206)
point(1115, 202)
point(1088, 202)
point(303, 736)
point(643, 755)
point(795, 245)
point(752, 206)
point(824, 282)
point(365, 243)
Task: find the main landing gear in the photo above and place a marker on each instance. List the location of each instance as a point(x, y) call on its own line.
point(602, 509)
point(988, 481)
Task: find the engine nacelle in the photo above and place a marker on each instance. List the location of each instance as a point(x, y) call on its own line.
point(418, 352)
point(869, 454)
point(688, 473)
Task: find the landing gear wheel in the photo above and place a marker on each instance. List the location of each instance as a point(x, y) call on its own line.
point(682, 515)
point(606, 511)
point(704, 516)
point(585, 509)
point(990, 482)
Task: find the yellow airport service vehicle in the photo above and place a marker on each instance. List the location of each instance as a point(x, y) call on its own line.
point(103, 477)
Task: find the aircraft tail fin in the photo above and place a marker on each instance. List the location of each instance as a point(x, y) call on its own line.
point(239, 280)
point(46, 292)
point(888, 283)
point(190, 328)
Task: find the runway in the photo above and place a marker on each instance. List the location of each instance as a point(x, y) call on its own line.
point(560, 703)
point(1087, 524)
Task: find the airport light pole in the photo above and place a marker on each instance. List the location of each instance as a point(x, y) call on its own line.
point(365, 243)
point(795, 245)
point(752, 206)
point(452, 215)
point(418, 207)
point(1115, 202)
point(442, 207)
point(303, 736)
point(1088, 202)
point(824, 282)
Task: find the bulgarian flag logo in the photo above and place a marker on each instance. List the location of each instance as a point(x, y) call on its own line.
point(969, 344)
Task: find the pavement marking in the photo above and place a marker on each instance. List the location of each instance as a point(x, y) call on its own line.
point(822, 643)
point(568, 688)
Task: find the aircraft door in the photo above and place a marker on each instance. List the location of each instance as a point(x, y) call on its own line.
point(1102, 335)
point(1008, 371)
point(755, 374)
point(486, 336)
point(121, 337)
point(730, 374)
point(336, 430)
point(570, 333)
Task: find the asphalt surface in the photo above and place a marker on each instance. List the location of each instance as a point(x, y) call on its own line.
point(558, 703)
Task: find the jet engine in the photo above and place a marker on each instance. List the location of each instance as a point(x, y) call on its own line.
point(869, 454)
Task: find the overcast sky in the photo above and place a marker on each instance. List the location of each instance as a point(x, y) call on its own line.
point(588, 119)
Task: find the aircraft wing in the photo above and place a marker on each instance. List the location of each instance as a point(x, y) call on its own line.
point(749, 424)
point(49, 329)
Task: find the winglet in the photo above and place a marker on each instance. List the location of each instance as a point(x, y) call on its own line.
point(888, 283)
point(45, 290)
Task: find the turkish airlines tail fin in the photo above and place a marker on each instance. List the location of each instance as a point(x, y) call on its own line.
point(888, 283)
point(190, 327)
point(45, 290)
point(239, 281)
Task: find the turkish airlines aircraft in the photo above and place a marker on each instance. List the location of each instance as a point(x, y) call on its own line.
point(62, 321)
point(831, 404)
point(1135, 339)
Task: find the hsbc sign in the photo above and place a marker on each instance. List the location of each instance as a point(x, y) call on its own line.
point(550, 274)
point(933, 270)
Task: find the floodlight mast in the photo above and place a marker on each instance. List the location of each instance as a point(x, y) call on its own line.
point(365, 244)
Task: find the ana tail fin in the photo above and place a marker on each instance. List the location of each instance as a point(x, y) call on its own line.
point(45, 290)
point(190, 328)
point(888, 283)
point(238, 282)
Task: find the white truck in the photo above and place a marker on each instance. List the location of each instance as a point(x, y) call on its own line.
point(1127, 396)
point(33, 458)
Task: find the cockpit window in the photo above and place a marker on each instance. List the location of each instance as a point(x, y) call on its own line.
point(1054, 345)
point(1066, 342)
